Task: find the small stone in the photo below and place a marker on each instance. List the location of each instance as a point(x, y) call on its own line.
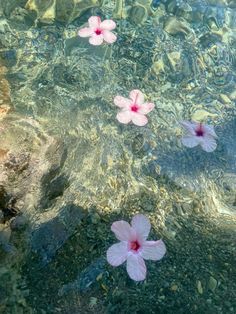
point(174, 26)
point(119, 11)
point(1, 216)
point(5, 234)
point(138, 14)
point(210, 257)
point(174, 288)
point(158, 67)
point(233, 95)
point(3, 154)
point(4, 109)
point(224, 99)
point(95, 218)
point(174, 58)
point(199, 287)
point(18, 223)
point(202, 114)
point(212, 284)
point(92, 302)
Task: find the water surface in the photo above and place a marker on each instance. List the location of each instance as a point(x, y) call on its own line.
point(74, 169)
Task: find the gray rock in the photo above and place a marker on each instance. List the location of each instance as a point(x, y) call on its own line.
point(49, 236)
point(86, 278)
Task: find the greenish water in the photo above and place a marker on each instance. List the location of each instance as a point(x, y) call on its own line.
point(70, 169)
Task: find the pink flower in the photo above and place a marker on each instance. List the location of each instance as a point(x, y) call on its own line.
point(98, 31)
point(133, 109)
point(199, 134)
point(133, 247)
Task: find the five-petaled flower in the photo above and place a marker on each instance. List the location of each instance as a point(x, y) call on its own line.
point(133, 247)
point(99, 31)
point(133, 109)
point(199, 134)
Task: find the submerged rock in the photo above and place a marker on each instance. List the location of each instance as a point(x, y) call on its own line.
point(48, 236)
point(60, 10)
point(174, 26)
point(7, 204)
point(85, 279)
point(138, 14)
point(45, 9)
point(18, 223)
point(10, 5)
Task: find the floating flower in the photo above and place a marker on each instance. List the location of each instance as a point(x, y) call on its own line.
point(133, 247)
point(133, 109)
point(99, 31)
point(199, 134)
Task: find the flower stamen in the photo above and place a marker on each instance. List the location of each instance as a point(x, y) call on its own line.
point(134, 108)
point(199, 130)
point(98, 31)
point(134, 246)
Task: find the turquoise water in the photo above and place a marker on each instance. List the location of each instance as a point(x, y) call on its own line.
point(69, 169)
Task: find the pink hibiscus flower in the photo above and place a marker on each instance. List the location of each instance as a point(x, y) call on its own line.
point(133, 109)
point(133, 247)
point(99, 31)
point(199, 134)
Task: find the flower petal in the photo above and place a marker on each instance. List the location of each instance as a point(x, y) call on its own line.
point(122, 102)
point(190, 141)
point(108, 25)
point(117, 254)
point(141, 225)
point(153, 250)
point(136, 267)
point(94, 21)
point(137, 96)
point(210, 130)
point(208, 143)
point(109, 37)
point(123, 231)
point(85, 32)
point(146, 107)
point(189, 126)
point(96, 40)
point(139, 119)
point(124, 116)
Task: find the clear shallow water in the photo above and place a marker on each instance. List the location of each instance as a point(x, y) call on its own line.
point(74, 169)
